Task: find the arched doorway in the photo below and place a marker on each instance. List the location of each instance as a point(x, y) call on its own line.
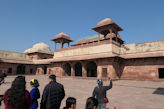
point(21, 69)
point(45, 69)
point(91, 69)
point(67, 69)
point(78, 69)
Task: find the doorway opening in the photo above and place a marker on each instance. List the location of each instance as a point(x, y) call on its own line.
point(78, 69)
point(161, 72)
point(45, 70)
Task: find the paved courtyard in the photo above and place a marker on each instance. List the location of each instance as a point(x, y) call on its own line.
point(125, 94)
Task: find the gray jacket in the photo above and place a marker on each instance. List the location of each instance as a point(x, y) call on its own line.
point(98, 95)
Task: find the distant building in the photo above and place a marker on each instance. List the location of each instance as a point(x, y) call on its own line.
point(101, 56)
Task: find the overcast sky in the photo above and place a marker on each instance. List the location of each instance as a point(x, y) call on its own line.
point(24, 23)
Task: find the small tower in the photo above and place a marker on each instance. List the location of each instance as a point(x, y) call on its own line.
point(109, 29)
point(62, 38)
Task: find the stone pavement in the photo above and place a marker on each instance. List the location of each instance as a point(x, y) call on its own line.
point(125, 94)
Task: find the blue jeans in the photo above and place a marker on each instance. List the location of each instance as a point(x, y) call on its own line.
point(102, 106)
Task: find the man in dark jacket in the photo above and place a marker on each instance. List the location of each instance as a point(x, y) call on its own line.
point(100, 93)
point(53, 94)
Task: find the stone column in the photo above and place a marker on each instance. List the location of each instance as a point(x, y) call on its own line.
point(98, 37)
point(99, 72)
point(40, 70)
point(61, 44)
point(14, 69)
point(110, 35)
point(62, 73)
point(112, 72)
point(72, 70)
point(116, 37)
point(55, 45)
point(27, 69)
point(84, 71)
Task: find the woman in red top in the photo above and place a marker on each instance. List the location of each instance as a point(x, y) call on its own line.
point(17, 97)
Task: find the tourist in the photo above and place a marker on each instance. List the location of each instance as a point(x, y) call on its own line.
point(34, 93)
point(53, 94)
point(91, 103)
point(1, 78)
point(70, 103)
point(100, 93)
point(1, 96)
point(17, 97)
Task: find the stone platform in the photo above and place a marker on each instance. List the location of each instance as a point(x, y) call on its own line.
point(125, 94)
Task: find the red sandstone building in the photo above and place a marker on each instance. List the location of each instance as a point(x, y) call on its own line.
point(101, 56)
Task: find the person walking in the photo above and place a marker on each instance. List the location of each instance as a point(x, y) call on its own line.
point(99, 93)
point(17, 97)
point(34, 93)
point(53, 94)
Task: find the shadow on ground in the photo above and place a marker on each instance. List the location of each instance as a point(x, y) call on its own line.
point(159, 91)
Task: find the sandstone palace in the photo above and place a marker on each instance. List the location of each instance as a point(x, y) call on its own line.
point(94, 57)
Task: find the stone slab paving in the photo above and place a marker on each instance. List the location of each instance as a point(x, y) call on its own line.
point(125, 94)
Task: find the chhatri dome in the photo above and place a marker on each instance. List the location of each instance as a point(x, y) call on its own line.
point(40, 48)
point(105, 22)
point(62, 35)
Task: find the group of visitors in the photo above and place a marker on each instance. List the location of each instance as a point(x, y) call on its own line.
point(17, 97)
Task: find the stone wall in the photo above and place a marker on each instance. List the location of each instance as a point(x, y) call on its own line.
point(4, 68)
point(145, 68)
point(88, 51)
point(39, 56)
point(13, 55)
point(143, 47)
point(55, 68)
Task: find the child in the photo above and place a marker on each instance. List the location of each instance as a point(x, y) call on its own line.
point(34, 93)
point(70, 103)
